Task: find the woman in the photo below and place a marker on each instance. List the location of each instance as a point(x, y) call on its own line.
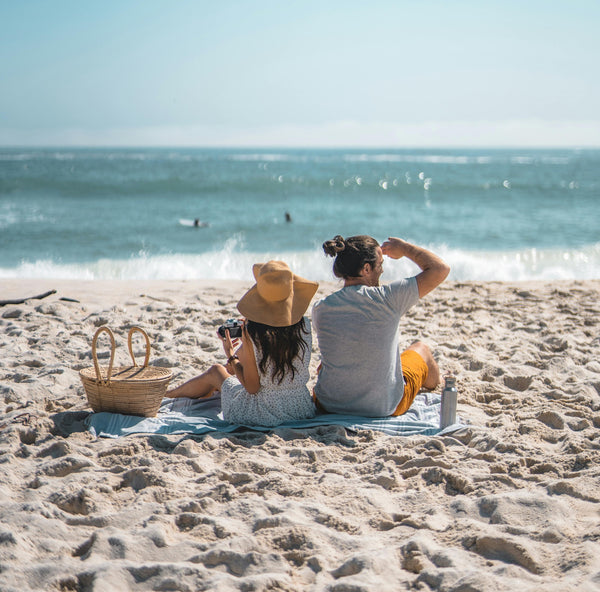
point(265, 379)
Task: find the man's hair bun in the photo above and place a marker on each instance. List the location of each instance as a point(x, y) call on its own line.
point(334, 246)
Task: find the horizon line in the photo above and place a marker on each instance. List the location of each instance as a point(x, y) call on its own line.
point(297, 147)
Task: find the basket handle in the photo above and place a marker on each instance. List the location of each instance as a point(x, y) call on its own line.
point(129, 336)
point(112, 354)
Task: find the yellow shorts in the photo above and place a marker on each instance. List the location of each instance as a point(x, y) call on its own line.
point(414, 370)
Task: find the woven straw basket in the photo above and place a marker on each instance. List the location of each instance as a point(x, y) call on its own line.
point(132, 390)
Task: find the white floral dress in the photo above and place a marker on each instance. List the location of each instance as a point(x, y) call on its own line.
point(274, 403)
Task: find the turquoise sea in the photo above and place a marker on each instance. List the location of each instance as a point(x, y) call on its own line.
point(129, 213)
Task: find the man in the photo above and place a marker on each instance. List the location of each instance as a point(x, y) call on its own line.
point(362, 370)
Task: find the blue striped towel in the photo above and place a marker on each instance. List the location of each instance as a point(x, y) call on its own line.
point(200, 416)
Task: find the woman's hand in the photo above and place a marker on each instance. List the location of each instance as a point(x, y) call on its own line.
point(228, 344)
point(244, 367)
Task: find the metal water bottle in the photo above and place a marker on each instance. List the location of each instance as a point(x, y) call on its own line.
point(449, 400)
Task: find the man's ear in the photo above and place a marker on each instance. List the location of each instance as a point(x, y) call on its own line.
point(366, 269)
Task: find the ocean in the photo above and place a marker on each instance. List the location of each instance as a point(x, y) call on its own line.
point(129, 213)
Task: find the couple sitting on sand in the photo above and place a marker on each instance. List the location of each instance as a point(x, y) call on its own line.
point(362, 372)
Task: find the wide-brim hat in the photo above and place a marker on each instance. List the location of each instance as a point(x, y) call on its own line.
point(279, 298)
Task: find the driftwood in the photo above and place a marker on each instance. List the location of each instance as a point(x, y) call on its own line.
point(22, 300)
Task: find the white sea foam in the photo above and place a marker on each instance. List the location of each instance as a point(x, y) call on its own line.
point(529, 160)
point(231, 263)
point(16, 157)
point(265, 157)
point(417, 158)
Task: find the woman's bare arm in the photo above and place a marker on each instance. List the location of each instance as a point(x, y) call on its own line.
point(244, 367)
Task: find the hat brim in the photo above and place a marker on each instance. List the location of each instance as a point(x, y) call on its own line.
point(279, 314)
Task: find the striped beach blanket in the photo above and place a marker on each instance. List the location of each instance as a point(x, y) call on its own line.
point(201, 416)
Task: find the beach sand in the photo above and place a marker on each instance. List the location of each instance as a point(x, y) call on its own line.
point(509, 502)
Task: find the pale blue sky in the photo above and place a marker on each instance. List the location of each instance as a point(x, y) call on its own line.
point(306, 73)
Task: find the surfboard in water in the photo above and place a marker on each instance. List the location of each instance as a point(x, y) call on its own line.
point(194, 223)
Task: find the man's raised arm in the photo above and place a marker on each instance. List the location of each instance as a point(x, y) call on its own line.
point(434, 270)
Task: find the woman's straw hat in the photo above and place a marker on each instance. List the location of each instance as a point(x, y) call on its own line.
point(279, 298)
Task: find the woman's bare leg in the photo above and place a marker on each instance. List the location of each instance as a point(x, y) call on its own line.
point(202, 386)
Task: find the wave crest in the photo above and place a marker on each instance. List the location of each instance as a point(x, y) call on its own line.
point(233, 263)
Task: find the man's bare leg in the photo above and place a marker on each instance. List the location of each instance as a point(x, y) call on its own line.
point(433, 374)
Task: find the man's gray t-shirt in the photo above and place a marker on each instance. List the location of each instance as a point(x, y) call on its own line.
point(357, 329)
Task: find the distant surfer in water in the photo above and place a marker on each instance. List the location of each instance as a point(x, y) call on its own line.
point(199, 224)
point(288, 217)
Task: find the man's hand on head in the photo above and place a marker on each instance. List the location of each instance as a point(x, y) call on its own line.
point(395, 248)
point(433, 269)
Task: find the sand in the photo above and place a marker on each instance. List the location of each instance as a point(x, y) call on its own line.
point(509, 502)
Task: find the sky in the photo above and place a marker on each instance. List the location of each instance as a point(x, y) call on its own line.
point(306, 73)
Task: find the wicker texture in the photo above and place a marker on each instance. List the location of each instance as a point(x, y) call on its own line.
point(132, 390)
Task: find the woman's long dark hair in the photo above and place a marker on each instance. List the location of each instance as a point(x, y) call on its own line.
point(282, 345)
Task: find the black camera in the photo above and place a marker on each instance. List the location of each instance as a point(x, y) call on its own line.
point(234, 326)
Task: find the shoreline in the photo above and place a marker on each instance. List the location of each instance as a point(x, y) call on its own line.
point(93, 290)
point(509, 502)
